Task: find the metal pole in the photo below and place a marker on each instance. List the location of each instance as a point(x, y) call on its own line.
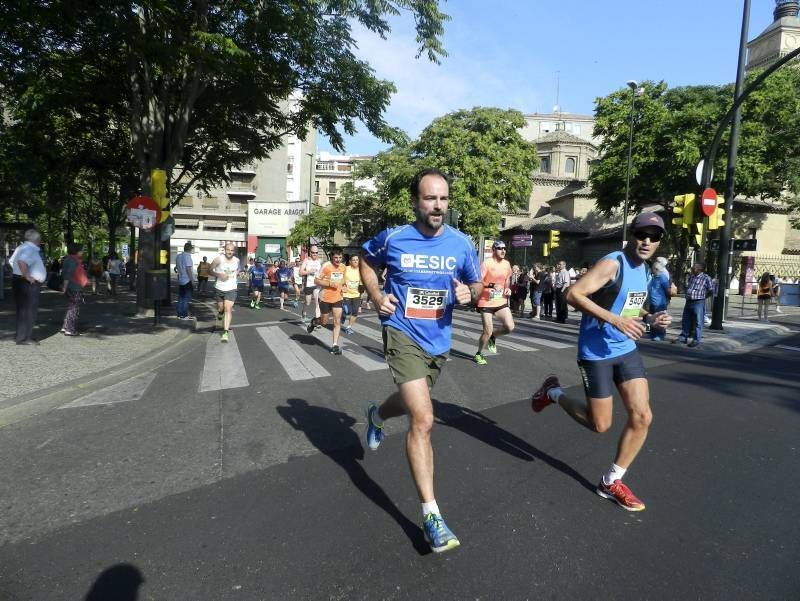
point(723, 262)
point(628, 173)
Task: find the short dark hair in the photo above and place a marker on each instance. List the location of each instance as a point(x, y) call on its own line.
point(414, 186)
point(336, 250)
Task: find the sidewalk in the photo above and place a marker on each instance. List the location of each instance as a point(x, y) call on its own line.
point(115, 343)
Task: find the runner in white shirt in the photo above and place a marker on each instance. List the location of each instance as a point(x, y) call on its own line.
point(225, 269)
point(309, 270)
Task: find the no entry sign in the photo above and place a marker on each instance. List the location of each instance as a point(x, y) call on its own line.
point(709, 202)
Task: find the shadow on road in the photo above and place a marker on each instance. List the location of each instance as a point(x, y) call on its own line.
point(487, 431)
point(117, 583)
point(332, 434)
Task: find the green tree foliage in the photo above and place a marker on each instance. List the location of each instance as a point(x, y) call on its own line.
point(673, 129)
point(481, 149)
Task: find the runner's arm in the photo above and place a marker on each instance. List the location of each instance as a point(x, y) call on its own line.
point(385, 304)
point(602, 273)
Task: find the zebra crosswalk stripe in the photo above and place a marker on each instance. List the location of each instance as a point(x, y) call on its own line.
point(223, 367)
point(522, 339)
point(297, 363)
point(362, 357)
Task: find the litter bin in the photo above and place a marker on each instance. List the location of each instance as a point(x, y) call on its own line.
point(156, 284)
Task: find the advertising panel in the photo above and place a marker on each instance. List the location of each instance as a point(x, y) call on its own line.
point(273, 218)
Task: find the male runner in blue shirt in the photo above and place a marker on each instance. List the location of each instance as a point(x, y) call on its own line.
point(611, 297)
point(430, 266)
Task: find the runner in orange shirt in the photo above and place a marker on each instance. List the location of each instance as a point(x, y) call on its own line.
point(331, 278)
point(496, 278)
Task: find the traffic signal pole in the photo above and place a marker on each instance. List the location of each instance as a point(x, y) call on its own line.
point(723, 262)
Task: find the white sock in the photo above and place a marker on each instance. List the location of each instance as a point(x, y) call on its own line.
point(430, 507)
point(554, 393)
point(613, 474)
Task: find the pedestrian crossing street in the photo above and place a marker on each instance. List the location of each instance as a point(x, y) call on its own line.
point(224, 368)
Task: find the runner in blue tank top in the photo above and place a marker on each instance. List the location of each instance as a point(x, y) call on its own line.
point(429, 267)
point(612, 297)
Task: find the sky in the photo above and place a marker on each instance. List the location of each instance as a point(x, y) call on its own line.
point(511, 53)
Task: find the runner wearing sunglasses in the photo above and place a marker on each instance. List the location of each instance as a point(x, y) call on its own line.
point(612, 297)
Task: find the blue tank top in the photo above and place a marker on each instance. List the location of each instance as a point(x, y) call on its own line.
point(624, 296)
point(257, 275)
point(419, 273)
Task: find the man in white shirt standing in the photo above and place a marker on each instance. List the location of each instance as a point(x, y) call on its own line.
point(29, 273)
point(185, 266)
point(560, 284)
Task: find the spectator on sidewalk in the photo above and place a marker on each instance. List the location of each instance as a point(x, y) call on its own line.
point(75, 279)
point(698, 288)
point(114, 273)
point(29, 273)
point(560, 284)
point(776, 292)
point(536, 277)
point(547, 293)
point(95, 273)
point(184, 264)
point(764, 296)
point(658, 294)
point(130, 271)
point(203, 269)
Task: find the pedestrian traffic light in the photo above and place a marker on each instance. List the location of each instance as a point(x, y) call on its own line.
point(552, 239)
point(715, 220)
point(545, 250)
point(684, 210)
point(698, 234)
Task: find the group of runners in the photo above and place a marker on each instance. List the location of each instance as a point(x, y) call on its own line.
point(428, 268)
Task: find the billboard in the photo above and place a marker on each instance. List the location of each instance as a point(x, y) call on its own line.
point(273, 218)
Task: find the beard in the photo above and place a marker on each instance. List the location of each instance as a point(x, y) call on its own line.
point(434, 220)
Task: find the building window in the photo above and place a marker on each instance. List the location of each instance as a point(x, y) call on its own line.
point(331, 199)
point(544, 165)
point(752, 233)
point(570, 166)
point(331, 187)
point(290, 165)
point(316, 186)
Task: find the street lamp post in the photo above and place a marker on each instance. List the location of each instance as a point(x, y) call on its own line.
point(310, 156)
point(635, 89)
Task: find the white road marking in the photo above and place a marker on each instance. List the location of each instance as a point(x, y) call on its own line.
point(520, 338)
point(787, 347)
point(297, 363)
point(362, 357)
point(223, 367)
point(128, 390)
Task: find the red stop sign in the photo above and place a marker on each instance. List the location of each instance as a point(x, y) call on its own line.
point(709, 201)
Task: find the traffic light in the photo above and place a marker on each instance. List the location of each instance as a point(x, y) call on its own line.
point(552, 239)
point(698, 234)
point(684, 210)
point(715, 220)
point(545, 250)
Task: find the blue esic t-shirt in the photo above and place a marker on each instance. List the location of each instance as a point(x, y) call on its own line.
point(284, 277)
point(257, 275)
point(599, 340)
point(420, 272)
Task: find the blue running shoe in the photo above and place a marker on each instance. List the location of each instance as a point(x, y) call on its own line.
point(438, 534)
point(374, 433)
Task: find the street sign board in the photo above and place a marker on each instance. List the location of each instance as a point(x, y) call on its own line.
point(698, 173)
point(521, 243)
point(143, 212)
point(525, 237)
point(749, 245)
point(709, 201)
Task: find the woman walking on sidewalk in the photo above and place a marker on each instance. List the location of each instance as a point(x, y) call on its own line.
point(74, 280)
point(764, 296)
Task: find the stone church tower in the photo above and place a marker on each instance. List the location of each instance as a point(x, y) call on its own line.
point(777, 40)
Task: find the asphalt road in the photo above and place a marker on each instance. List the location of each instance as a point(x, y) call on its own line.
point(263, 491)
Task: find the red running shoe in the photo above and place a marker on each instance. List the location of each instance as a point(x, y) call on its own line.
point(540, 398)
point(620, 494)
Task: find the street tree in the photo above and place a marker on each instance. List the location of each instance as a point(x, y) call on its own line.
point(170, 60)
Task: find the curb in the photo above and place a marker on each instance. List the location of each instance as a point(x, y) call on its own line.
point(29, 405)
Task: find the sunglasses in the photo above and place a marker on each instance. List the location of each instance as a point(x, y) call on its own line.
point(499, 247)
point(642, 235)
